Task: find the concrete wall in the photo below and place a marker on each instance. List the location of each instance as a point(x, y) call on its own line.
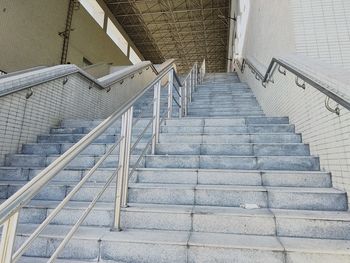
point(29, 36)
point(316, 28)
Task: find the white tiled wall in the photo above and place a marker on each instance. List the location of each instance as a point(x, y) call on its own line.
point(22, 119)
point(322, 30)
point(318, 29)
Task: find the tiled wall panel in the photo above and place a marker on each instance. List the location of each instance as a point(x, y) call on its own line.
point(322, 30)
point(318, 29)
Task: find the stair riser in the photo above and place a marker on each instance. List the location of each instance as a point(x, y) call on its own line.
point(59, 148)
point(226, 162)
point(76, 249)
point(234, 149)
point(222, 122)
point(121, 251)
point(236, 224)
point(211, 254)
point(212, 108)
point(69, 123)
point(76, 138)
point(236, 178)
point(229, 111)
point(234, 198)
point(228, 129)
point(25, 174)
point(231, 139)
point(224, 114)
point(78, 162)
point(86, 130)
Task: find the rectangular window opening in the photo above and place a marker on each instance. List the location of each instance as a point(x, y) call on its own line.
point(95, 10)
point(133, 57)
point(117, 37)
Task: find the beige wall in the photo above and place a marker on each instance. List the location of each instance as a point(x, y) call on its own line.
point(29, 36)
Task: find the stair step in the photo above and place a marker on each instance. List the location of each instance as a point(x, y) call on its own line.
point(59, 148)
point(74, 138)
point(233, 196)
point(290, 223)
point(224, 114)
point(272, 128)
point(239, 149)
point(81, 161)
point(44, 260)
point(212, 195)
point(230, 138)
point(297, 163)
point(145, 246)
point(68, 175)
point(234, 177)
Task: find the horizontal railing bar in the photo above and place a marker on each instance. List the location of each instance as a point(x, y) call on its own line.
point(29, 190)
point(15, 73)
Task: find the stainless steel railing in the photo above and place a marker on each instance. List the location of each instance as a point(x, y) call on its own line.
point(301, 79)
point(9, 210)
point(4, 74)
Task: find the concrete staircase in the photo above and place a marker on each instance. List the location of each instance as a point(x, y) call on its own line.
point(190, 202)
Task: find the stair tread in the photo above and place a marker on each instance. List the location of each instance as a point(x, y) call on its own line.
point(195, 186)
point(230, 171)
point(235, 187)
point(199, 209)
point(193, 239)
point(44, 260)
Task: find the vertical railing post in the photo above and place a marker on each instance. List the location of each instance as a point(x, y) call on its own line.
point(156, 116)
point(127, 156)
point(170, 92)
point(196, 73)
point(190, 87)
point(120, 178)
point(8, 238)
point(186, 97)
point(181, 108)
point(192, 80)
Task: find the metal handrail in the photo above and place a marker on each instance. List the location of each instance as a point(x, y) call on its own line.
point(67, 70)
point(15, 73)
point(10, 209)
point(300, 76)
point(28, 191)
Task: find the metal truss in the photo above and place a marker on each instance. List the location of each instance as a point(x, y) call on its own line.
point(187, 30)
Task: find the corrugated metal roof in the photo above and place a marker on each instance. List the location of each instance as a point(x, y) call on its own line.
point(185, 30)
